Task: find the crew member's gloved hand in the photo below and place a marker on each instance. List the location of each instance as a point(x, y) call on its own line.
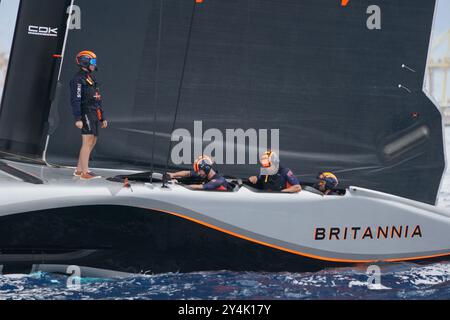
point(171, 175)
point(253, 180)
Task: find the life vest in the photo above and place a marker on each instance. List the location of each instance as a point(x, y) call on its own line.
point(275, 182)
point(90, 92)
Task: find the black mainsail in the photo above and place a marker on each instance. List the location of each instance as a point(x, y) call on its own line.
point(344, 97)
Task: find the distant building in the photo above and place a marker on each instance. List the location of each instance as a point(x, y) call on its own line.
point(3, 67)
point(438, 84)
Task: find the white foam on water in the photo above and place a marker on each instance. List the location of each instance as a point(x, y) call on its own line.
point(427, 275)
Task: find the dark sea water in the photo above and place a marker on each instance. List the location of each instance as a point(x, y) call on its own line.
point(397, 281)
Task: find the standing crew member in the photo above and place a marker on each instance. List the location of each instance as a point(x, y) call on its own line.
point(203, 168)
point(273, 177)
point(87, 109)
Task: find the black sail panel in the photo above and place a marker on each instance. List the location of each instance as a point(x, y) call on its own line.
point(39, 35)
point(345, 98)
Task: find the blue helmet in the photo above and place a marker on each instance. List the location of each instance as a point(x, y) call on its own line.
point(328, 180)
point(86, 58)
point(203, 163)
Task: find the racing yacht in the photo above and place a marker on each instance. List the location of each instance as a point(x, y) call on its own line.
point(343, 96)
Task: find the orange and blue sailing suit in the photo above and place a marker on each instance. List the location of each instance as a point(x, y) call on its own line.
point(217, 183)
point(283, 179)
point(86, 102)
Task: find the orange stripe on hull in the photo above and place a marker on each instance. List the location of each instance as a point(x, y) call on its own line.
point(418, 258)
point(293, 251)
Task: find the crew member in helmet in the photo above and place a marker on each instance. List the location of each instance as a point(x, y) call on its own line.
point(203, 168)
point(273, 177)
point(87, 110)
point(327, 181)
